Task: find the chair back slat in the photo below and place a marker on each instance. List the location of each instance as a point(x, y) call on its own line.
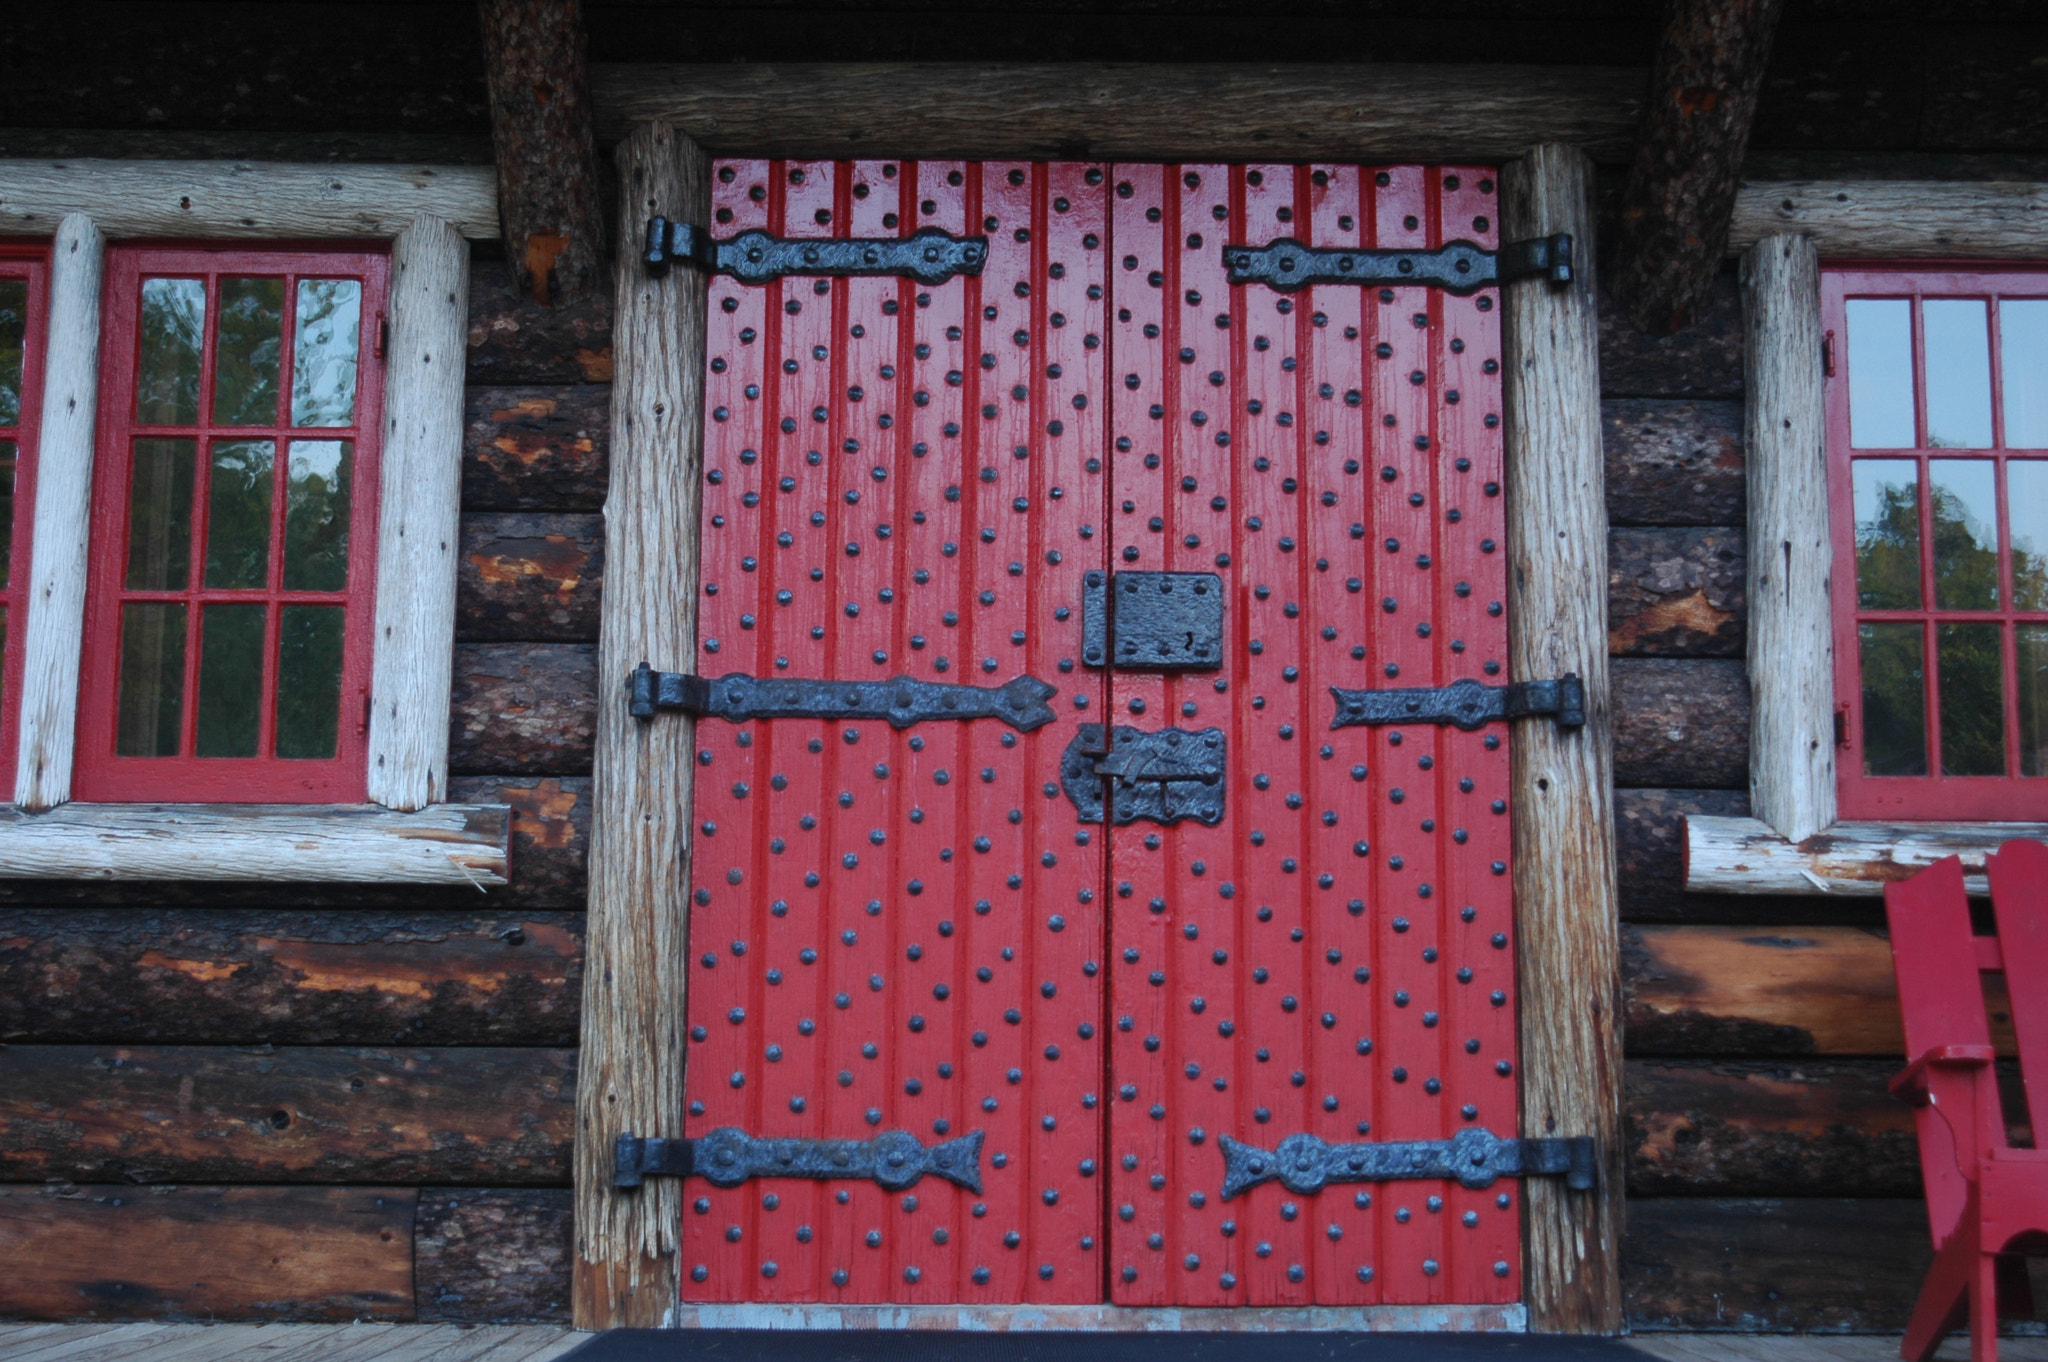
point(2019, 899)
point(1941, 1000)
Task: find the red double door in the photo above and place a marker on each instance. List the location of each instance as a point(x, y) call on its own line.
point(925, 929)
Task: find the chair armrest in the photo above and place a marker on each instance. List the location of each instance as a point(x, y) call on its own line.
point(1910, 1084)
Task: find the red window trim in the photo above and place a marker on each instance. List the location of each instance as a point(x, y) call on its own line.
point(1935, 796)
point(20, 260)
point(99, 774)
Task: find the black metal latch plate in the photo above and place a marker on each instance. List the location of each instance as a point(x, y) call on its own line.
point(1458, 267)
point(1019, 702)
point(1152, 621)
point(1475, 1157)
point(1467, 704)
point(1161, 777)
point(727, 1157)
point(929, 255)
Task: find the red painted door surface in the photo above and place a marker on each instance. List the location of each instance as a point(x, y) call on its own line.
point(916, 930)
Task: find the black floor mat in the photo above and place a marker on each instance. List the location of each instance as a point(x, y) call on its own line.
point(932, 1345)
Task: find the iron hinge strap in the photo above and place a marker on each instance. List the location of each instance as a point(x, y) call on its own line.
point(1304, 1164)
point(727, 1157)
point(1019, 702)
point(929, 255)
point(1465, 703)
point(1458, 267)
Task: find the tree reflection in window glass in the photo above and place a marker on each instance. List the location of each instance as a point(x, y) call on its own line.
point(1893, 661)
point(1964, 498)
point(1887, 493)
point(328, 325)
point(2032, 646)
point(13, 331)
point(248, 348)
point(167, 372)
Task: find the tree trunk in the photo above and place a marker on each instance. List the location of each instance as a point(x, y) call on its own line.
point(547, 151)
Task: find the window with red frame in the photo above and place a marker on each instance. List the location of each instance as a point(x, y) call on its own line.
point(1937, 411)
point(21, 372)
point(228, 614)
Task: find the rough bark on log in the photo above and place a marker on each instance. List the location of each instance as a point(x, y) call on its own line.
point(304, 1114)
point(1758, 991)
point(1879, 219)
point(1802, 1263)
point(1218, 111)
point(515, 340)
point(206, 1253)
point(546, 147)
point(633, 1056)
point(1769, 1128)
point(1675, 593)
point(1689, 149)
point(1681, 722)
point(528, 708)
point(534, 448)
point(1650, 826)
point(529, 577)
point(1703, 361)
point(1562, 781)
point(1747, 856)
point(493, 1256)
point(1673, 462)
point(242, 976)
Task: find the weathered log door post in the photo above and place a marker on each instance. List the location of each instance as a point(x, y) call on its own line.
point(1101, 820)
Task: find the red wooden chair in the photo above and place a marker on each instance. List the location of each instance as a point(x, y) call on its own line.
point(1987, 1201)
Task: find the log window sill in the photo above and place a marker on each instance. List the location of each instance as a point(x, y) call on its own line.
point(287, 843)
point(1748, 856)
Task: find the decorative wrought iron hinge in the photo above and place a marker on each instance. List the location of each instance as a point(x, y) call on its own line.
point(1019, 702)
point(1467, 703)
point(728, 1157)
point(1304, 1164)
point(1152, 621)
point(1162, 777)
point(929, 255)
point(1458, 267)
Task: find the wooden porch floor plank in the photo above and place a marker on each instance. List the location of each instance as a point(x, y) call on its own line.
point(33, 1341)
point(89, 1340)
point(493, 1343)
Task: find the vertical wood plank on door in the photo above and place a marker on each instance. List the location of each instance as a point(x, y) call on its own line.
point(631, 1072)
point(1791, 641)
point(56, 612)
point(1564, 874)
point(418, 516)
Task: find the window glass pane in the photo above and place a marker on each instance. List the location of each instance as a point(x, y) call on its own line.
point(1958, 373)
point(2023, 364)
point(238, 513)
point(2026, 512)
point(160, 515)
point(167, 376)
point(329, 325)
point(247, 348)
point(1881, 373)
point(309, 681)
point(1965, 533)
point(1894, 700)
point(13, 329)
point(152, 709)
point(1887, 495)
point(7, 467)
point(2033, 656)
point(230, 679)
point(316, 515)
point(1972, 699)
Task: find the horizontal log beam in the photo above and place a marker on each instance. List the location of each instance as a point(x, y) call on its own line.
point(302, 1114)
point(1998, 220)
point(1748, 856)
point(245, 200)
point(1680, 722)
point(296, 843)
point(1755, 991)
point(524, 707)
point(529, 577)
point(493, 1256)
point(1096, 111)
point(530, 448)
point(1672, 462)
point(206, 1253)
point(1675, 592)
point(264, 976)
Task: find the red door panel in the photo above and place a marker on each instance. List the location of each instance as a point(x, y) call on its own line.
point(901, 930)
point(907, 930)
point(1325, 958)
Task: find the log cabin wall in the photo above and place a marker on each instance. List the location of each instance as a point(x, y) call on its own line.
point(359, 1103)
